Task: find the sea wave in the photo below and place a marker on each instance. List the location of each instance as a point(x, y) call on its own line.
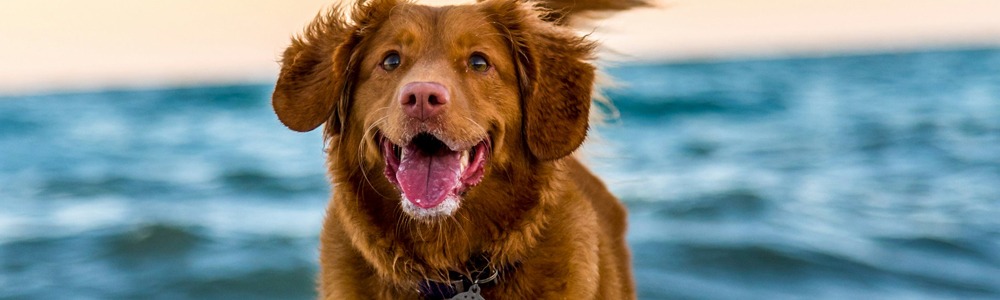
point(839, 177)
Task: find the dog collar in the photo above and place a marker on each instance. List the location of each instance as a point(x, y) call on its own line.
point(458, 285)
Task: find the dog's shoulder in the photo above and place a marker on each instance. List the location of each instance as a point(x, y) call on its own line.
point(611, 223)
point(609, 209)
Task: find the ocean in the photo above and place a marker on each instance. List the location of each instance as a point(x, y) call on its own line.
point(846, 177)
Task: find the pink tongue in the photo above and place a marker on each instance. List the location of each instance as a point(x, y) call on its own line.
point(428, 178)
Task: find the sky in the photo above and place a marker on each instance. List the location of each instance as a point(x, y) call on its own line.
point(58, 45)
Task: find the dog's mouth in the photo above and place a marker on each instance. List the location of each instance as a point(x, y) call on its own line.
point(430, 175)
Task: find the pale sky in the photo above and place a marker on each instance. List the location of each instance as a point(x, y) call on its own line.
point(88, 44)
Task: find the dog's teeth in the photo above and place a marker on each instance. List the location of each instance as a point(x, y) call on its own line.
point(465, 160)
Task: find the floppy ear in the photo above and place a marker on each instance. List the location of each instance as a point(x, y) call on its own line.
point(313, 75)
point(555, 79)
point(557, 111)
point(318, 69)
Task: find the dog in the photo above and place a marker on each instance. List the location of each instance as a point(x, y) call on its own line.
point(450, 134)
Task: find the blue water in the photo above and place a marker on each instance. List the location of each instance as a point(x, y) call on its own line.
point(862, 177)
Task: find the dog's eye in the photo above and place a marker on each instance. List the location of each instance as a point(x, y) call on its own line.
point(478, 63)
point(391, 61)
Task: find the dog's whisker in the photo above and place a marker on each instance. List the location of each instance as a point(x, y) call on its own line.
point(399, 219)
point(365, 138)
point(482, 132)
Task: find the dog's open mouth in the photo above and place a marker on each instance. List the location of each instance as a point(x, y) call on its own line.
point(430, 175)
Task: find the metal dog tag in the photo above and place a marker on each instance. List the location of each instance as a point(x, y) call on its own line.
point(471, 294)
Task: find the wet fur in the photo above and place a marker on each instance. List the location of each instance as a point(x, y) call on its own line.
point(539, 215)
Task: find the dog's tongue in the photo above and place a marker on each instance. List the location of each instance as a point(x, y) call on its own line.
point(427, 178)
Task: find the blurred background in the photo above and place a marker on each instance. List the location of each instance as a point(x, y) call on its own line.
point(767, 149)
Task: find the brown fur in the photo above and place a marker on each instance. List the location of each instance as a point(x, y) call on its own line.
point(539, 215)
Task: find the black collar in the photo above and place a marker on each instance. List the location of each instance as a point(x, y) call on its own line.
point(483, 274)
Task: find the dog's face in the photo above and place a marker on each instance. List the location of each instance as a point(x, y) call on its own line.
point(436, 87)
point(438, 100)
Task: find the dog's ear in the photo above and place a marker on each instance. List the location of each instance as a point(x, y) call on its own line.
point(313, 74)
point(318, 69)
point(556, 80)
point(562, 12)
point(557, 110)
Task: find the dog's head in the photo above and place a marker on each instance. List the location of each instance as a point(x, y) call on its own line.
point(438, 100)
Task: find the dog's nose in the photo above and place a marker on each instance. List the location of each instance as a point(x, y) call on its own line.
point(423, 100)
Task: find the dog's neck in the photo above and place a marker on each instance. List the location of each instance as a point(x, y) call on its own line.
point(485, 276)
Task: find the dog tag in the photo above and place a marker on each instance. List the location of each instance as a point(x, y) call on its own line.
point(471, 294)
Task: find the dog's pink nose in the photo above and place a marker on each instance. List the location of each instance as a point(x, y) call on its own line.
point(423, 100)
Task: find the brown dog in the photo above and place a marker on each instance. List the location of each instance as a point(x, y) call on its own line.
point(450, 132)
